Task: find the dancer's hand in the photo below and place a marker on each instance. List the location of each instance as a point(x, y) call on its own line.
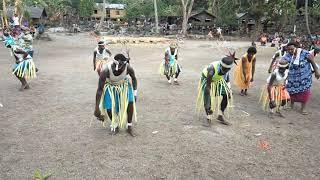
point(272, 104)
point(97, 113)
point(317, 75)
point(269, 70)
point(135, 93)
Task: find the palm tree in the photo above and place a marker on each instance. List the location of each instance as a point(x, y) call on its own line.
point(307, 16)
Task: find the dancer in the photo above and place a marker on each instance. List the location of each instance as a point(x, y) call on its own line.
point(24, 68)
point(300, 75)
point(116, 94)
point(276, 57)
point(275, 92)
point(100, 56)
point(214, 90)
point(244, 72)
point(170, 67)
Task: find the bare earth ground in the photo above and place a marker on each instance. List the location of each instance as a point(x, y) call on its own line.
point(47, 127)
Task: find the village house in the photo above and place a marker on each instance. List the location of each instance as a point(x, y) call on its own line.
point(114, 12)
point(35, 14)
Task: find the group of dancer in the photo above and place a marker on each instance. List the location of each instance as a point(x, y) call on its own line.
point(21, 48)
point(290, 79)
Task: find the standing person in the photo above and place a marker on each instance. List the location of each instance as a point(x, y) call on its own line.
point(116, 94)
point(276, 57)
point(244, 72)
point(275, 94)
point(100, 56)
point(214, 90)
point(300, 75)
point(170, 67)
point(16, 21)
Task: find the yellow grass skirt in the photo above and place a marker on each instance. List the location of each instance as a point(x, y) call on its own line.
point(278, 93)
point(218, 89)
point(120, 97)
point(167, 69)
point(25, 69)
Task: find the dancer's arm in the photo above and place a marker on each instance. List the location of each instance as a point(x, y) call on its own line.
point(209, 78)
point(275, 56)
point(244, 70)
point(315, 68)
point(94, 60)
point(253, 68)
point(269, 87)
point(133, 77)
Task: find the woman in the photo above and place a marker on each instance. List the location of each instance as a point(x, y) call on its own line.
point(275, 92)
point(300, 75)
point(244, 72)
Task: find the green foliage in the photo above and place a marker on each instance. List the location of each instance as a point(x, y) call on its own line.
point(315, 10)
point(86, 8)
point(38, 176)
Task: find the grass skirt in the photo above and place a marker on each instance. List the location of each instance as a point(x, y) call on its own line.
point(119, 95)
point(168, 69)
point(278, 93)
point(25, 69)
point(218, 89)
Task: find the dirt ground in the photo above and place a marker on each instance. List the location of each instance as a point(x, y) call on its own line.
point(48, 126)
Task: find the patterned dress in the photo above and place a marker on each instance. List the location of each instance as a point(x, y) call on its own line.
point(299, 77)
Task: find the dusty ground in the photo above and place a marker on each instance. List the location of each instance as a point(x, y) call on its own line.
point(47, 127)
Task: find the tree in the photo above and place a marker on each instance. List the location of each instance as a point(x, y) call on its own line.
point(86, 8)
point(103, 14)
point(307, 16)
point(186, 12)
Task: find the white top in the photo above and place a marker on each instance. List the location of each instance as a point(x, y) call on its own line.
point(15, 21)
point(113, 79)
point(280, 80)
point(102, 56)
point(168, 51)
point(219, 30)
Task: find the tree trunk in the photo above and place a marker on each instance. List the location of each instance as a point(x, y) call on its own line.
point(307, 16)
point(156, 16)
point(214, 9)
point(4, 8)
point(186, 9)
point(103, 15)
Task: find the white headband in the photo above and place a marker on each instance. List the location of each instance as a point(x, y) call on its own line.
point(283, 65)
point(226, 65)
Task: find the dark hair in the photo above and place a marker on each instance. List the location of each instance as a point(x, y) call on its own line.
point(293, 43)
point(120, 57)
point(252, 50)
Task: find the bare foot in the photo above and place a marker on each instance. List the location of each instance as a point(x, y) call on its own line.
point(271, 115)
point(280, 114)
point(23, 87)
point(303, 112)
point(222, 120)
point(27, 86)
point(115, 132)
point(176, 83)
point(130, 132)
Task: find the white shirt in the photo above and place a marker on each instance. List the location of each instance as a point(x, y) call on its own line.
point(16, 21)
point(219, 30)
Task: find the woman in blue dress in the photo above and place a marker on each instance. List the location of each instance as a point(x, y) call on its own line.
point(300, 75)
